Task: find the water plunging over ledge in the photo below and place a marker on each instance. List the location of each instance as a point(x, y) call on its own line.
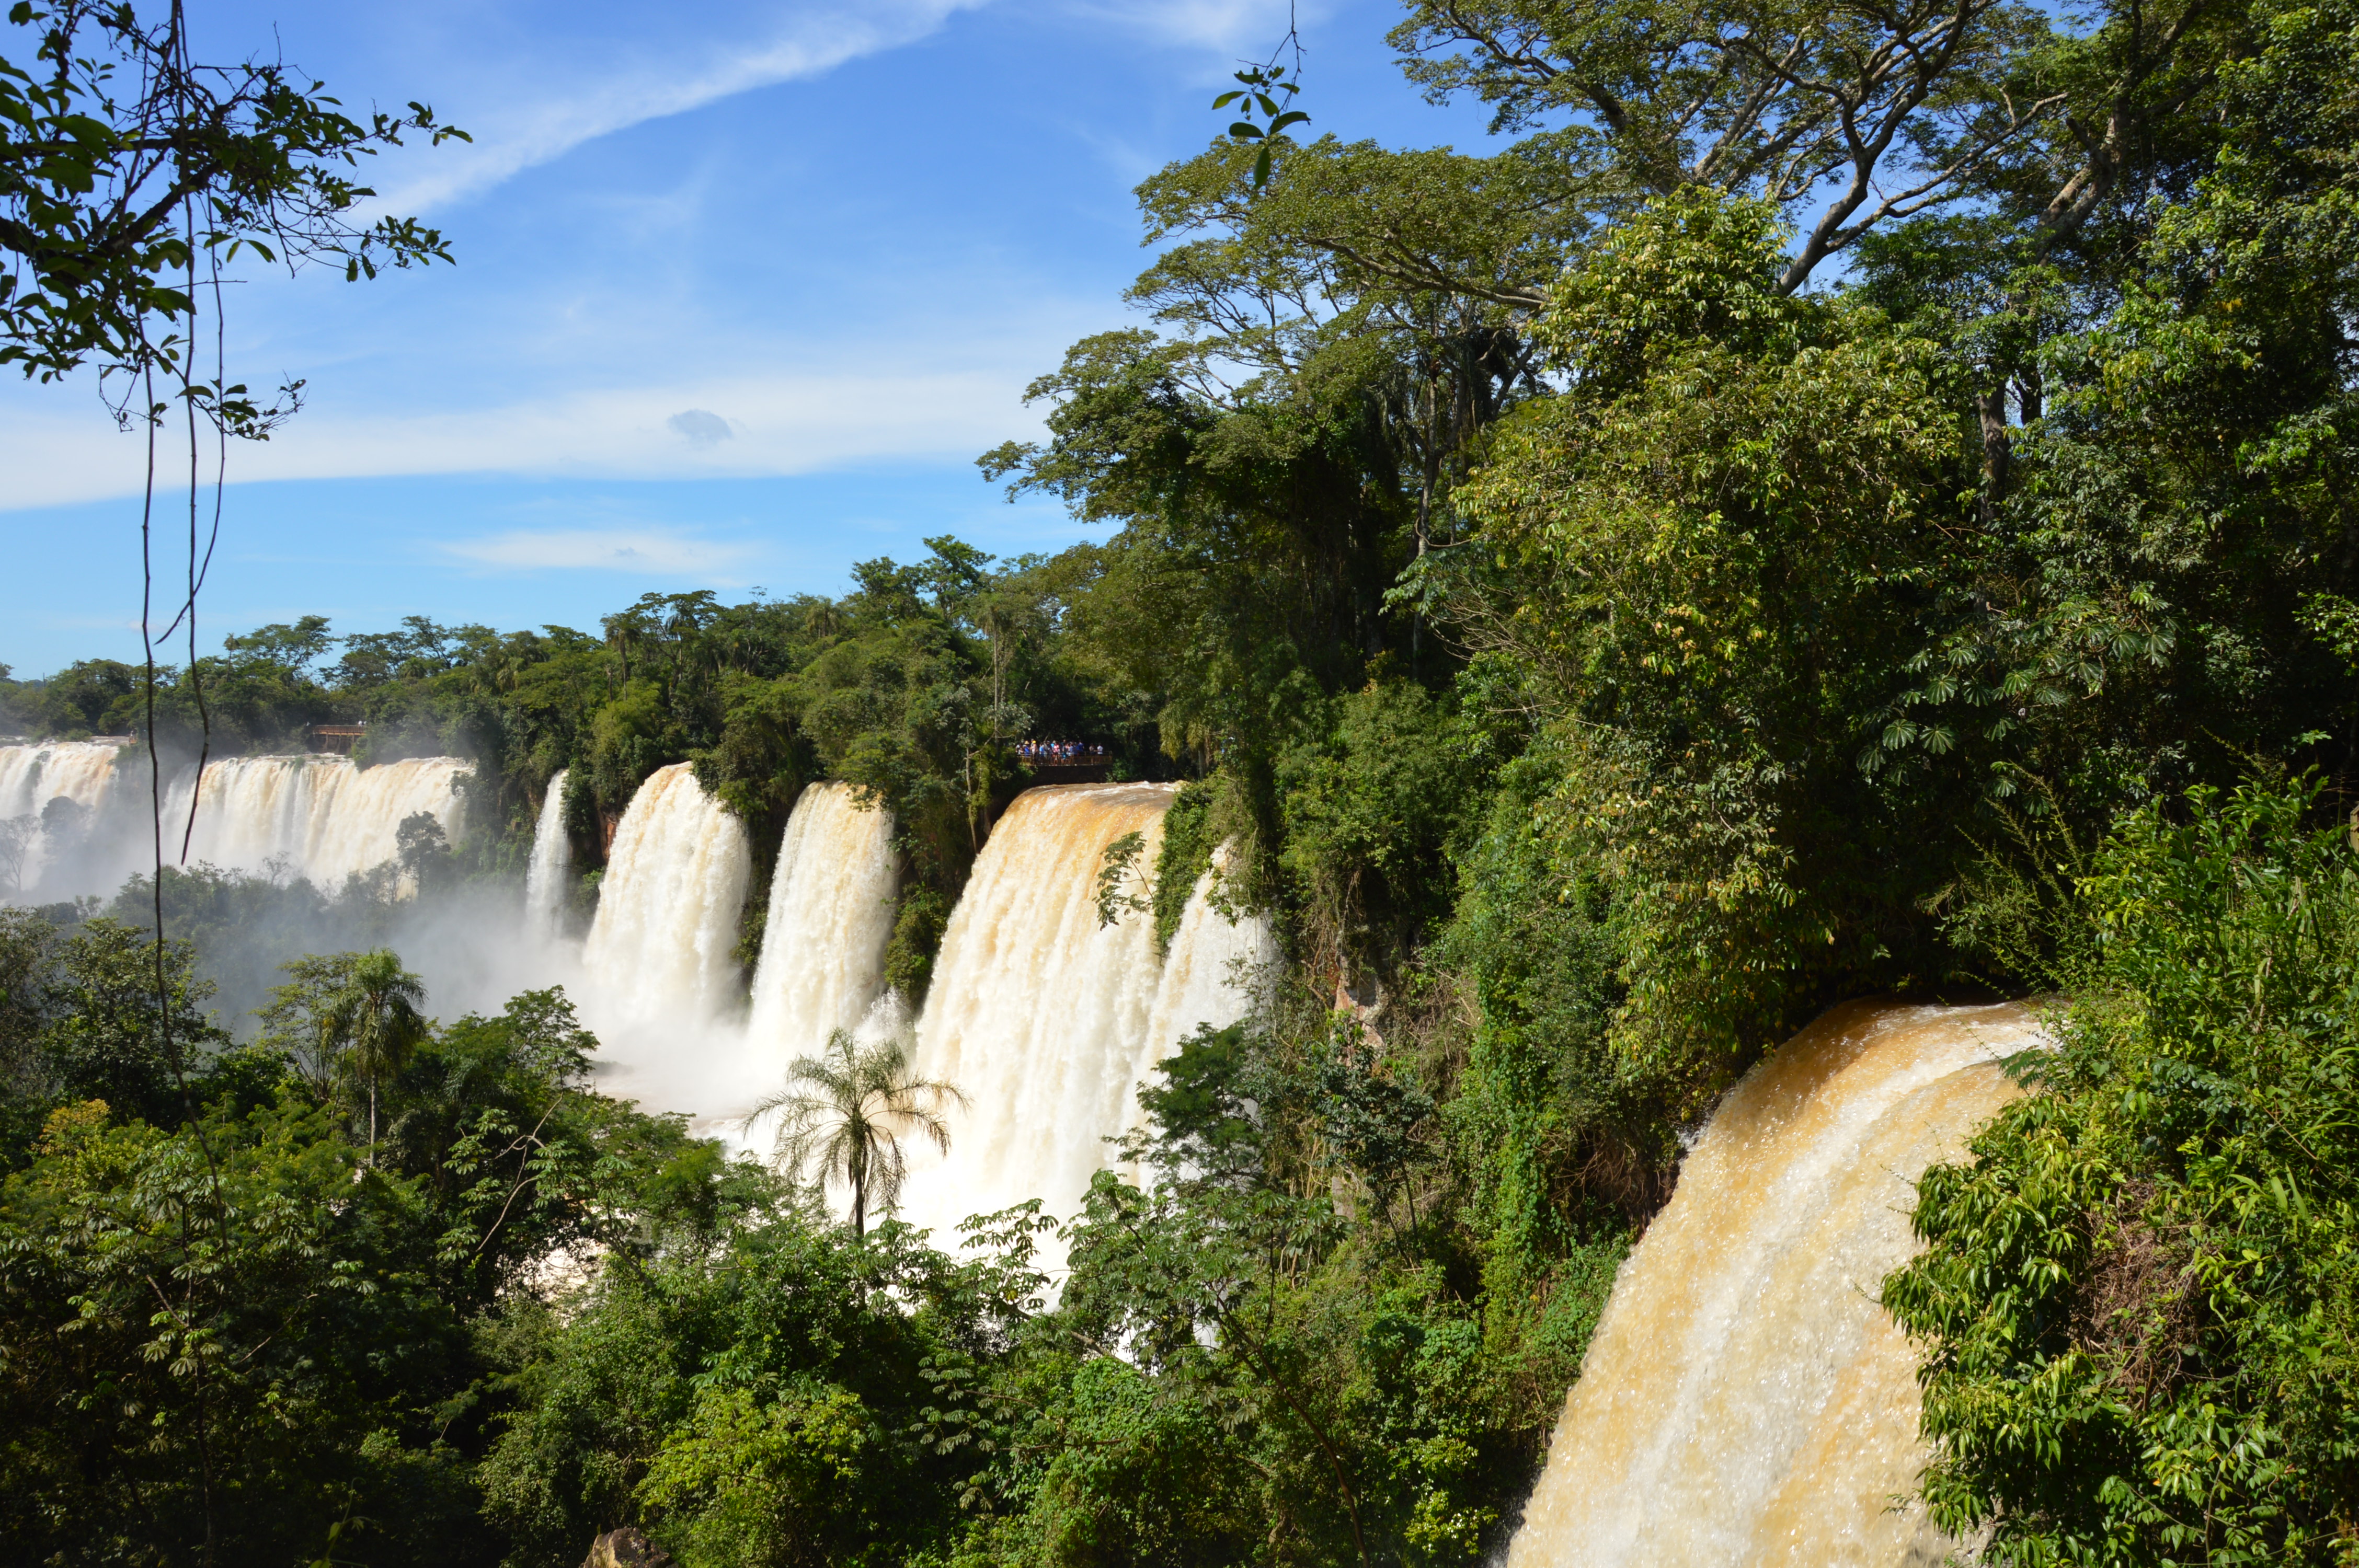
point(1745, 1401)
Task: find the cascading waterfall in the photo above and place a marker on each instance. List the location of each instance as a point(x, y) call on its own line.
point(552, 858)
point(1209, 972)
point(321, 816)
point(1048, 1019)
point(831, 916)
point(31, 776)
point(1746, 1400)
point(1037, 1010)
point(661, 948)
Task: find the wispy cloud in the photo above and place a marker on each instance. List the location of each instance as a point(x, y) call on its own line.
point(643, 551)
point(551, 119)
point(788, 422)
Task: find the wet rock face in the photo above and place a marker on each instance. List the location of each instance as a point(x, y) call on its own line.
point(624, 1548)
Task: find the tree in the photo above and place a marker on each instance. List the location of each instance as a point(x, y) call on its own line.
point(377, 1021)
point(221, 1341)
point(1853, 119)
point(843, 1115)
point(2134, 1307)
point(422, 849)
point(300, 1019)
point(116, 1030)
point(289, 650)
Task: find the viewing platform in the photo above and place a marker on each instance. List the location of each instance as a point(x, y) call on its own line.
point(1065, 762)
point(337, 737)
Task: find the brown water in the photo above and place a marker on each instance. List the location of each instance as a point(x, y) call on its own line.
point(1746, 1401)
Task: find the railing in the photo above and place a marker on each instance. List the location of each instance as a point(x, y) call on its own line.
point(1062, 753)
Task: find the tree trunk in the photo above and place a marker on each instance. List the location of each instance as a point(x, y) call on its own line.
point(1998, 451)
point(858, 1171)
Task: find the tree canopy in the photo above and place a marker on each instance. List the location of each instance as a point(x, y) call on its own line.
point(1839, 501)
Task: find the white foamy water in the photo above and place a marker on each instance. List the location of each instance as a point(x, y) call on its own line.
point(1050, 1020)
point(552, 858)
point(1209, 973)
point(33, 775)
point(831, 916)
point(1746, 1400)
point(320, 815)
point(661, 948)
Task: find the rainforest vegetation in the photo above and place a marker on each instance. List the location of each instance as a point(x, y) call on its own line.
point(1841, 500)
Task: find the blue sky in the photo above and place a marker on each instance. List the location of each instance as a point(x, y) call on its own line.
point(743, 288)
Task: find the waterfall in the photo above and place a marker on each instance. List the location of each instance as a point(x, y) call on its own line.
point(1206, 975)
point(661, 948)
point(1050, 1020)
point(822, 963)
point(321, 816)
point(552, 858)
point(1746, 1401)
point(31, 776)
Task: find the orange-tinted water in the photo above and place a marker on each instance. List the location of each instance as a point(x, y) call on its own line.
point(1746, 1401)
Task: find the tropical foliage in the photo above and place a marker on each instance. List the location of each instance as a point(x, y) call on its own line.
point(1838, 502)
point(2136, 1302)
point(844, 1114)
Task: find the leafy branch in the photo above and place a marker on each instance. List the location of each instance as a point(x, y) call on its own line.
point(1121, 868)
point(1267, 88)
point(125, 166)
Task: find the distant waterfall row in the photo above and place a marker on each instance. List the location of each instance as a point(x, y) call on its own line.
point(1045, 1016)
point(31, 776)
point(318, 818)
point(42, 839)
point(319, 815)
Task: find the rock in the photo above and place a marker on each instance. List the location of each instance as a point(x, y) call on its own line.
point(624, 1548)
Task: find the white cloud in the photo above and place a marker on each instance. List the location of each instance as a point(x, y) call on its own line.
point(530, 122)
point(640, 550)
point(556, 117)
point(788, 422)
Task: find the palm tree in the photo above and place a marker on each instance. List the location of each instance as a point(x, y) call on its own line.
point(376, 1018)
point(844, 1114)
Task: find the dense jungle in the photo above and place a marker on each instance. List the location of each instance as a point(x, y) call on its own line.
point(1846, 501)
